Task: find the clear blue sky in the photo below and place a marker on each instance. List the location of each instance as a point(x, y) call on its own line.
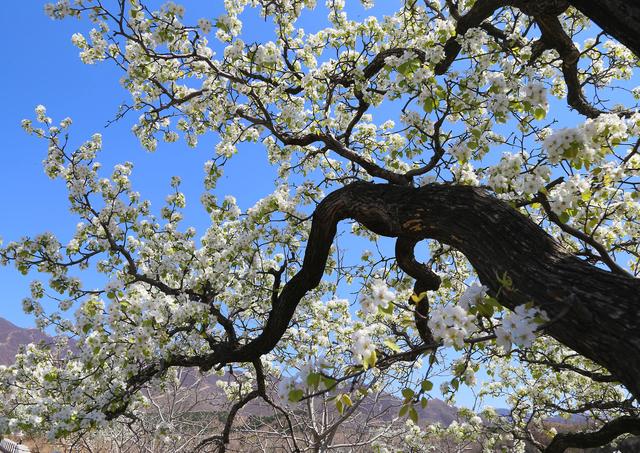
point(41, 66)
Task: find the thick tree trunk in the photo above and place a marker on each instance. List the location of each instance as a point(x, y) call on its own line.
point(598, 312)
point(618, 18)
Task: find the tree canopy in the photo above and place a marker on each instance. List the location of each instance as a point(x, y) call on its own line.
point(485, 152)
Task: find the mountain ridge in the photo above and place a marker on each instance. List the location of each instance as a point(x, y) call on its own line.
point(12, 337)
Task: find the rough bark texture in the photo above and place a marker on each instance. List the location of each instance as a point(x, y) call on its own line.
point(618, 18)
point(598, 312)
point(426, 280)
point(603, 436)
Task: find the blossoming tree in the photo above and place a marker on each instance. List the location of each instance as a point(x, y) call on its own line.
point(442, 124)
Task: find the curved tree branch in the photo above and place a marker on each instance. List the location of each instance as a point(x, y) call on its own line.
point(480, 11)
point(603, 436)
point(603, 319)
point(554, 37)
point(426, 280)
point(601, 315)
point(618, 18)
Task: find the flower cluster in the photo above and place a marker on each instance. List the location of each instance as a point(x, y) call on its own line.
point(519, 327)
point(505, 173)
point(363, 347)
point(452, 324)
point(591, 141)
point(473, 295)
point(58, 10)
point(377, 295)
point(569, 193)
point(535, 94)
point(204, 25)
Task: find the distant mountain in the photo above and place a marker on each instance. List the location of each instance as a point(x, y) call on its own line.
point(437, 411)
point(12, 336)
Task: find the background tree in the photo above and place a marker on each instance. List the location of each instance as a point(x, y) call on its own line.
point(431, 123)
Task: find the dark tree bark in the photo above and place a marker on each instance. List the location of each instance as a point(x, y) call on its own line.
point(599, 312)
point(595, 312)
point(608, 432)
point(618, 18)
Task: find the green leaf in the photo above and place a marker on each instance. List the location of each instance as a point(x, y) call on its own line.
point(222, 26)
point(426, 385)
point(296, 395)
point(342, 402)
point(459, 368)
point(392, 345)
point(370, 361)
point(408, 67)
point(413, 414)
point(539, 113)
point(408, 394)
point(572, 151)
point(388, 310)
point(428, 105)
point(313, 380)
point(328, 382)
point(493, 302)
point(424, 402)
point(51, 376)
point(485, 310)
point(404, 409)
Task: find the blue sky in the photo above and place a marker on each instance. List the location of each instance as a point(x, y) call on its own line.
point(42, 67)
